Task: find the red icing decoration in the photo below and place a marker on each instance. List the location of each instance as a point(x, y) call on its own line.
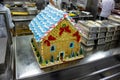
point(77, 35)
point(50, 38)
point(66, 29)
point(47, 42)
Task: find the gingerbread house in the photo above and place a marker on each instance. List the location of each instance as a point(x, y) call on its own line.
point(55, 40)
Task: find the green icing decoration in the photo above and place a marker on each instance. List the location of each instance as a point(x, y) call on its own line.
point(31, 40)
point(70, 55)
point(46, 62)
point(35, 49)
point(38, 54)
point(73, 54)
point(52, 58)
point(81, 51)
point(76, 54)
point(57, 58)
point(40, 59)
point(64, 25)
point(33, 45)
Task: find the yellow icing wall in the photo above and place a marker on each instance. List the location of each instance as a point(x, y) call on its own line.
point(61, 43)
point(61, 46)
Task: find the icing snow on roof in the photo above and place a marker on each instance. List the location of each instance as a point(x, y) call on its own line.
point(45, 21)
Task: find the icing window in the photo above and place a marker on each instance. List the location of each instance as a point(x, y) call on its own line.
point(71, 45)
point(52, 49)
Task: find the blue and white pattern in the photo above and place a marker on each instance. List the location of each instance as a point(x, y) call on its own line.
point(44, 21)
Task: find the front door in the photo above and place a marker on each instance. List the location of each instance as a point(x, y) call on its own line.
point(61, 56)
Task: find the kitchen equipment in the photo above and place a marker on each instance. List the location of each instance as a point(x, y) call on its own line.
point(32, 10)
point(18, 4)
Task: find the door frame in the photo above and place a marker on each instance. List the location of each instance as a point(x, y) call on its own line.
point(60, 54)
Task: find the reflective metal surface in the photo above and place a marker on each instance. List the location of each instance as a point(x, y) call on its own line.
point(8, 73)
point(6, 59)
point(27, 67)
point(3, 54)
point(25, 61)
point(3, 48)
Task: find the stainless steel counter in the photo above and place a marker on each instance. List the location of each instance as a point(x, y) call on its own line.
point(6, 58)
point(3, 48)
point(26, 64)
point(27, 68)
point(3, 53)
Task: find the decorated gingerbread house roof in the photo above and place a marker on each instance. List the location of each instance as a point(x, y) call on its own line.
point(47, 20)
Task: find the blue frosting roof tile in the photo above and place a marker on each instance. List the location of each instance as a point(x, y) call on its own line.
point(44, 21)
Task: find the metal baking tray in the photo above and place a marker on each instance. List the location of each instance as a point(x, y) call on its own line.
point(102, 27)
point(100, 47)
point(107, 45)
point(101, 41)
point(116, 25)
point(115, 37)
point(110, 27)
point(117, 32)
point(87, 48)
point(108, 34)
point(85, 32)
point(114, 44)
point(90, 25)
point(101, 35)
point(108, 39)
point(87, 42)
